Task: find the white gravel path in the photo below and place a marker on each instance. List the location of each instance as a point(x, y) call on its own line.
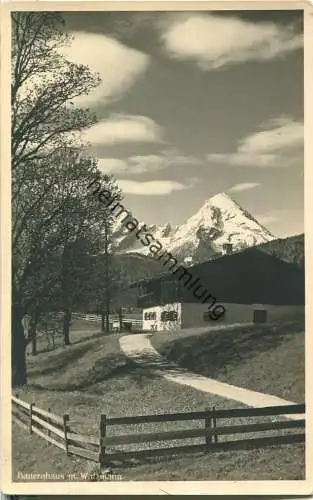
point(139, 348)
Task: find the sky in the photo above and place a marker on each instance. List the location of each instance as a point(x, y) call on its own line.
point(192, 104)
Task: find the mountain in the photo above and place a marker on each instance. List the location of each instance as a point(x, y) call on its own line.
point(220, 220)
point(289, 249)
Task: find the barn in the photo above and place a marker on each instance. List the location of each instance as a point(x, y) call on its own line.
point(248, 286)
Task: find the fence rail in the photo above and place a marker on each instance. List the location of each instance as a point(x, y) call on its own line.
point(59, 431)
point(196, 415)
point(136, 322)
point(54, 429)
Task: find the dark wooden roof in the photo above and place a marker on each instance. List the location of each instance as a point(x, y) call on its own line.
point(247, 277)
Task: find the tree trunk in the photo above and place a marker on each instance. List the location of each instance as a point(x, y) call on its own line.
point(33, 333)
point(107, 280)
point(102, 322)
point(66, 326)
point(107, 316)
point(18, 347)
point(34, 345)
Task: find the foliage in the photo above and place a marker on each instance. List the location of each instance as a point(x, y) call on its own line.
point(44, 84)
point(56, 226)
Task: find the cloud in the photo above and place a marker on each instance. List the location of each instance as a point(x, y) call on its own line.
point(112, 165)
point(150, 188)
point(213, 41)
point(287, 133)
point(140, 164)
point(123, 128)
point(281, 146)
point(240, 159)
point(244, 186)
point(118, 65)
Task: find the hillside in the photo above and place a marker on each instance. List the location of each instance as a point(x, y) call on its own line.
point(134, 267)
point(93, 376)
point(289, 249)
point(254, 357)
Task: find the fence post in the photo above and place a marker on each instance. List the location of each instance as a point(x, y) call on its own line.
point(120, 318)
point(31, 417)
point(15, 395)
point(208, 426)
point(103, 430)
point(214, 424)
point(65, 428)
point(49, 422)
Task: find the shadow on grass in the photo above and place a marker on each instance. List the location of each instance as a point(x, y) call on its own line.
point(59, 360)
point(112, 366)
point(209, 353)
point(92, 336)
point(146, 457)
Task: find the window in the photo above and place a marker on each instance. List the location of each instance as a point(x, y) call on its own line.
point(169, 316)
point(150, 315)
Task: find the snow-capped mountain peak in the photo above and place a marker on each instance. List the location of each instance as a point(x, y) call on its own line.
point(218, 221)
point(221, 200)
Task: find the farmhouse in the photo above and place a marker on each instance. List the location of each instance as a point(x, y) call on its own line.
point(248, 286)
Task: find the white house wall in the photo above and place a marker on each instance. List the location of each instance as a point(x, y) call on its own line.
point(157, 324)
point(192, 313)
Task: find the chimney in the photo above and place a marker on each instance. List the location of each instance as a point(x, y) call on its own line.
point(188, 261)
point(227, 248)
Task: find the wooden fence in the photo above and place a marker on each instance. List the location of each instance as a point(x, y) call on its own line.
point(135, 322)
point(57, 430)
point(60, 432)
